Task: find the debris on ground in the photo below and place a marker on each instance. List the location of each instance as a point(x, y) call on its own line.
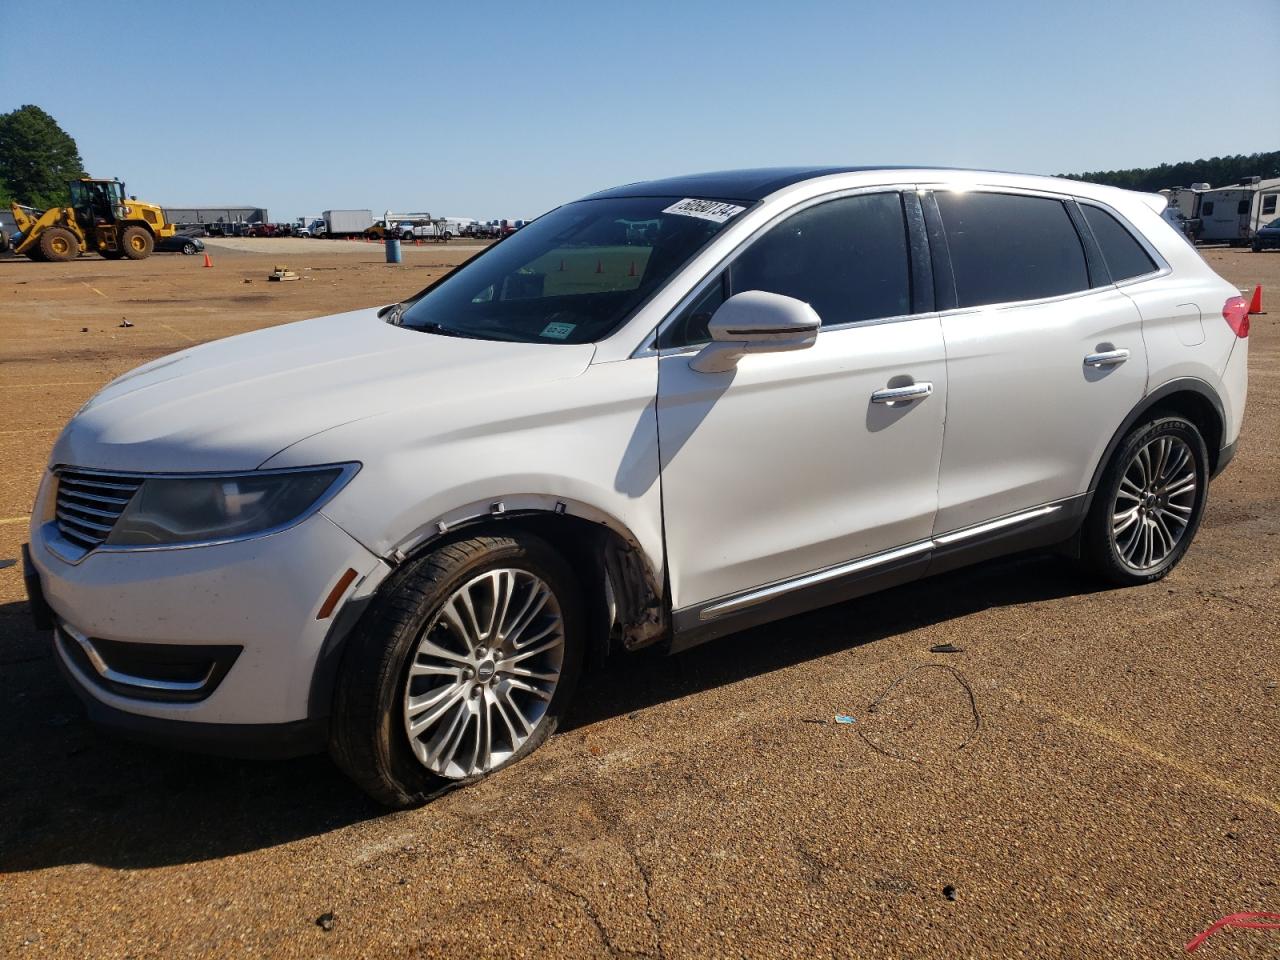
point(124, 322)
point(325, 921)
point(949, 892)
point(946, 648)
point(281, 272)
point(845, 718)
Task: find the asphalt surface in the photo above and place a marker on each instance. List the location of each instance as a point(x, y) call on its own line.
point(1096, 774)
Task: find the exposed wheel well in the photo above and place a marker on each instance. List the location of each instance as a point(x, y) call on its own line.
point(1197, 408)
point(624, 597)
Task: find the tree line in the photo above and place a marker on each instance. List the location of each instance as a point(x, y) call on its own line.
point(37, 159)
point(1218, 171)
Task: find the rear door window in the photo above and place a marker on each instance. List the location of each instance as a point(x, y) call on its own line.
point(1124, 254)
point(1009, 247)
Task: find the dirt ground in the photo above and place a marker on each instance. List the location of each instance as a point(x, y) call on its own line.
point(1097, 774)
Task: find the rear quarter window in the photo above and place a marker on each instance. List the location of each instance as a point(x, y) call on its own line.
point(1010, 247)
point(1124, 254)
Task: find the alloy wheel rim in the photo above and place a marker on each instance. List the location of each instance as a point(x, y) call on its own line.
point(483, 673)
point(1155, 503)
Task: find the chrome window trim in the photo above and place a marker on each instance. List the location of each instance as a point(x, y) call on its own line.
point(649, 348)
point(73, 554)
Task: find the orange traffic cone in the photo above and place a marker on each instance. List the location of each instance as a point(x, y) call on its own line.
point(599, 267)
point(207, 261)
point(1255, 305)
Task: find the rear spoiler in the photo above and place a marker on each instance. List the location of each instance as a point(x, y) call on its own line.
point(1156, 201)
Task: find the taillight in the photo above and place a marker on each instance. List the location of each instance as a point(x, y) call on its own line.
point(1236, 312)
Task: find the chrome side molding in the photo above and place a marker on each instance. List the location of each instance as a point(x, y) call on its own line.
point(780, 588)
point(761, 594)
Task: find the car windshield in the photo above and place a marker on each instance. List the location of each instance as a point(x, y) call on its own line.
point(1274, 224)
point(572, 276)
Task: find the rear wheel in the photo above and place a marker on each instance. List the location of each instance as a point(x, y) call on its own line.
point(464, 666)
point(1148, 506)
point(136, 243)
point(58, 245)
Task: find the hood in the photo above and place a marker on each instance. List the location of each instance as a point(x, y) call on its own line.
point(233, 404)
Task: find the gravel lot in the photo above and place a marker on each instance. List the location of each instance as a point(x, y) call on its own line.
point(1097, 774)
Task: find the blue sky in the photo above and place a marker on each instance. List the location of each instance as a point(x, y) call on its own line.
point(493, 109)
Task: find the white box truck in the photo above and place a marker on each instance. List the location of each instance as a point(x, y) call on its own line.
point(347, 223)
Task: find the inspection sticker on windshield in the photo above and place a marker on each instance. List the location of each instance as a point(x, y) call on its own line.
point(559, 331)
point(705, 209)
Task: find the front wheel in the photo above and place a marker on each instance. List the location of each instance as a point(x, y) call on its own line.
point(465, 664)
point(189, 249)
point(136, 243)
point(58, 245)
point(1148, 506)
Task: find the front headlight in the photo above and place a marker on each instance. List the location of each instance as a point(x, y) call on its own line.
point(175, 510)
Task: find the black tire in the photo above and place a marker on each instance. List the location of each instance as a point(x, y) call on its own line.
point(189, 249)
point(58, 245)
point(366, 736)
point(1257, 247)
point(136, 243)
point(1101, 549)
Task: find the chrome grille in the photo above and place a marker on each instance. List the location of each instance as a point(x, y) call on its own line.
point(89, 504)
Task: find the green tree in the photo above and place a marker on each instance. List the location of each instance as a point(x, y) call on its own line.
point(1219, 171)
point(37, 158)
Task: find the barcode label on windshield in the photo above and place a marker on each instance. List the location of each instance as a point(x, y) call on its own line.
point(713, 210)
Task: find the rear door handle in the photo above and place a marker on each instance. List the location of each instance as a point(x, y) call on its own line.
point(1109, 358)
point(907, 394)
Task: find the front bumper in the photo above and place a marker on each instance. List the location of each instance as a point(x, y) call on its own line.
point(250, 606)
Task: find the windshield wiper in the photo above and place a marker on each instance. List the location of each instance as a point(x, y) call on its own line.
point(440, 329)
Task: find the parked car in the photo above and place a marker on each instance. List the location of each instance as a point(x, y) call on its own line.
point(187, 243)
point(1267, 237)
point(813, 384)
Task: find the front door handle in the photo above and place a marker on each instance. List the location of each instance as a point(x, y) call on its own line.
point(1108, 358)
point(907, 394)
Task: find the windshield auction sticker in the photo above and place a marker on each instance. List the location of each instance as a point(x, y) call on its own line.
point(559, 331)
point(713, 210)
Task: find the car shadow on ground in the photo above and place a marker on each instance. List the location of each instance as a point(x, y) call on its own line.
point(73, 794)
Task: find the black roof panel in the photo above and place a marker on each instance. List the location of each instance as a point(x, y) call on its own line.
point(749, 185)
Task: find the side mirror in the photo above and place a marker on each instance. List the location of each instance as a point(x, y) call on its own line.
point(756, 321)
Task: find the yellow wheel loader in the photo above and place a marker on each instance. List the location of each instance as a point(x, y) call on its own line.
point(101, 219)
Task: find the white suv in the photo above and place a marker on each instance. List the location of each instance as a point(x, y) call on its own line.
point(654, 416)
